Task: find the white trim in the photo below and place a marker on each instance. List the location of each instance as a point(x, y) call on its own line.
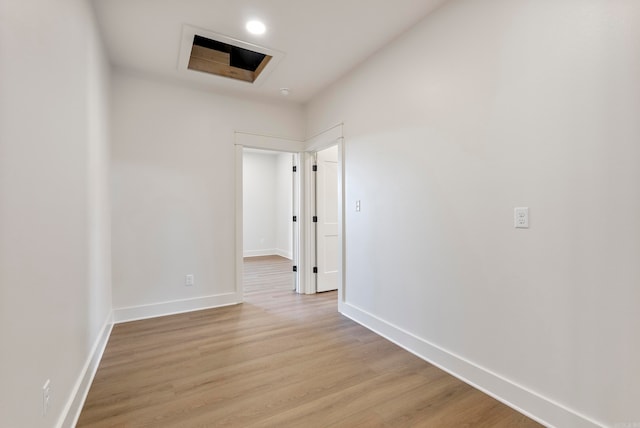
point(324, 139)
point(296, 207)
point(342, 250)
point(269, 252)
point(154, 310)
point(72, 409)
point(525, 401)
point(284, 253)
point(260, 253)
point(309, 236)
point(239, 244)
point(268, 142)
point(300, 225)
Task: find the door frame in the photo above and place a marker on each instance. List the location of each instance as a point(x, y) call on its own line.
point(244, 140)
point(331, 137)
point(305, 151)
point(315, 203)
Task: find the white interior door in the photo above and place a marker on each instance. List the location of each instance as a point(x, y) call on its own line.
point(295, 245)
point(327, 225)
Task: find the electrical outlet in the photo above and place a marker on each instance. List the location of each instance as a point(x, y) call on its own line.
point(46, 397)
point(189, 280)
point(358, 206)
point(521, 218)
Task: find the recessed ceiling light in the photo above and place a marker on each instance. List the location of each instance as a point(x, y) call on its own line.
point(284, 91)
point(256, 27)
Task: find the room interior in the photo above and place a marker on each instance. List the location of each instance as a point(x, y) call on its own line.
point(118, 164)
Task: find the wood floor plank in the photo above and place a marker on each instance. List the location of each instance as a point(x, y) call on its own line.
point(278, 360)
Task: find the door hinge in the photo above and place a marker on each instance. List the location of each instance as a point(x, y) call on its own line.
point(295, 218)
point(315, 218)
point(315, 168)
point(315, 269)
point(295, 168)
point(295, 268)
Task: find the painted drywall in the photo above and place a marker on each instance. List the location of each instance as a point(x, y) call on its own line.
point(267, 198)
point(55, 291)
point(284, 205)
point(503, 104)
point(172, 185)
point(259, 208)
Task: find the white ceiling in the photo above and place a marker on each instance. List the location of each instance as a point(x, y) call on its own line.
point(321, 39)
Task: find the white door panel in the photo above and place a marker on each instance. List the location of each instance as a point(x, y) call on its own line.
point(327, 226)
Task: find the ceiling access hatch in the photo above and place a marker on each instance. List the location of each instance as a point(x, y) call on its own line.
point(223, 57)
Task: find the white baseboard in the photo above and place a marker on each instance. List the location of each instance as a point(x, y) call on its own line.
point(535, 406)
point(71, 412)
point(258, 253)
point(153, 310)
point(284, 253)
point(269, 252)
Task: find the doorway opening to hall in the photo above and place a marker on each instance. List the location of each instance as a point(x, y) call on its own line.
point(269, 241)
point(291, 210)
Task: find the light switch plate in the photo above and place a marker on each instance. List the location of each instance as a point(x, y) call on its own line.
point(521, 217)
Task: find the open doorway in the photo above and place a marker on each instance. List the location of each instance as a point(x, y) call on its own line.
point(268, 222)
point(305, 267)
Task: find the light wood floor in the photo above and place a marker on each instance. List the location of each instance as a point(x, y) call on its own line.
point(277, 360)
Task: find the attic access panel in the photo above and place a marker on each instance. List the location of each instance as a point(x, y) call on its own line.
point(226, 60)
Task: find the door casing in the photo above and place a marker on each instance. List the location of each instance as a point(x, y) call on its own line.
point(305, 152)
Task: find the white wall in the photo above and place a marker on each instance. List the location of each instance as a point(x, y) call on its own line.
point(55, 291)
point(267, 200)
point(259, 208)
point(173, 193)
point(501, 104)
point(267, 196)
point(284, 205)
